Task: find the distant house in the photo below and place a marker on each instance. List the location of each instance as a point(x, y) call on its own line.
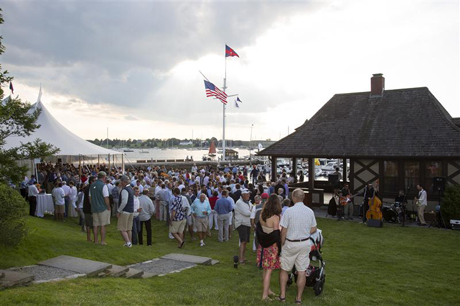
point(395, 139)
point(186, 143)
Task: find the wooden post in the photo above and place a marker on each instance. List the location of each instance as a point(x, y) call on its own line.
point(274, 168)
point(98, 160)
point(344, 171)
point(122, 163)
point(311, 174)
point(294, 168)
point(109, 165)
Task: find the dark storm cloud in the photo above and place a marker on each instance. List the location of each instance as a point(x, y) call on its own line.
point(119, 53)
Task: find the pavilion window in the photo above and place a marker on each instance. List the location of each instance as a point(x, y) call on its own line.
point(432, 169)
point(390, 179)
point(411, 176)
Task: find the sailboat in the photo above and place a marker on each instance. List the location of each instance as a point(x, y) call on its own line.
point(212, 150)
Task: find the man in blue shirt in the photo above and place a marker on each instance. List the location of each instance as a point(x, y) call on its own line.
point(201, 209)
point(224, 212)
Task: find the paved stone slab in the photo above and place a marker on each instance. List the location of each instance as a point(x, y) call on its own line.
point(45, 273)
point(148, 275)
point(14, 278)
point(134, 273)
point(214, 262)
point(189, 258)
point(117, 271)
point(161, 266)
point(79, 265)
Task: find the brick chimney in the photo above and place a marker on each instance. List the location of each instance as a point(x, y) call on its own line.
point(377, 85)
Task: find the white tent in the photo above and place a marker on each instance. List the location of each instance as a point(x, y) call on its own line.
point(52, 132)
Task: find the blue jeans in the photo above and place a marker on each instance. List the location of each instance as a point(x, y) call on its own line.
point(136, 229)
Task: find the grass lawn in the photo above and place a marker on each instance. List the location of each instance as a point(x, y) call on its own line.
point(365, 266)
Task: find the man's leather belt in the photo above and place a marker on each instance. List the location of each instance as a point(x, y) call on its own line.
point(298, 240)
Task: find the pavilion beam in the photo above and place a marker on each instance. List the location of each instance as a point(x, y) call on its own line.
point(294, 168)
point(274, 168)
point(311, 174)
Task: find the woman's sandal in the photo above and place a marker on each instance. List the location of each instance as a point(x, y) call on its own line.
point(298, 302)
point(282, 300)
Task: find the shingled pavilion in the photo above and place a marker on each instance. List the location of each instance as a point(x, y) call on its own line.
point(398, 138)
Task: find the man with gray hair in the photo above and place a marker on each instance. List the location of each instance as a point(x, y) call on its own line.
point(297, 224)
point(125, 211)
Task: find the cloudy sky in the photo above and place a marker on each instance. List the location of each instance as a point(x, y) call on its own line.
point(133, 66)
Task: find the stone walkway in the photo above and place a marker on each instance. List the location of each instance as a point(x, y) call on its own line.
point(67, 267)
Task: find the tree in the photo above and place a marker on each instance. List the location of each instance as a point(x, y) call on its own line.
point(17, 118)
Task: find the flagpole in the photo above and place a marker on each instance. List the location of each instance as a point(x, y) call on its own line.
point(223, 110)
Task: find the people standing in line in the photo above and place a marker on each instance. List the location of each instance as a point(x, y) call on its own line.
point(269, 237)
point(100, 206)
point(178, 218)
point(297, 224)
point(59, 202)
point(201, 209)
point(422, 202)
point(125, 211)
point(145, 215)
point(243, 209)
point(87, 210)
point(223, 209)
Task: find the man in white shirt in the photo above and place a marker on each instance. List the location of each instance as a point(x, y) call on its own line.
point(66, 198)
point(422, 202)
point(59, 202)
point(32, 192)
point(145, 216)
point(243, 209)
point(297, 224)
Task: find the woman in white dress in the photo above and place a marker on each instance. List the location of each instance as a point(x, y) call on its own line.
point(73, 199)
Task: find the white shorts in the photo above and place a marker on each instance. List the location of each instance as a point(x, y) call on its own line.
point(295, 253)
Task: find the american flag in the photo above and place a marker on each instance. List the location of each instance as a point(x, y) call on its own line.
point(213, 91)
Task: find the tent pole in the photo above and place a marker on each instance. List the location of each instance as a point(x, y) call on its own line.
point(109, 165)
point(123, 164)
point(98, 161)
point(79, 165)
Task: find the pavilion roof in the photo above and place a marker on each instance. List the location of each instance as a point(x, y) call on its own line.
point(400, 123)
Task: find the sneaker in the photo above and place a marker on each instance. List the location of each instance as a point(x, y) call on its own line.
point(129, 244)
point(202, 243)
point(171, 236)
point(350, 218)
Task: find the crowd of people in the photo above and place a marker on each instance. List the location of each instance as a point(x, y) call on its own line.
point(190, 202)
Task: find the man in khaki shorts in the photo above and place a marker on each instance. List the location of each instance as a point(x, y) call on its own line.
point(297, 223)
point(100, 206)
point(178, 219)
point(125, 211)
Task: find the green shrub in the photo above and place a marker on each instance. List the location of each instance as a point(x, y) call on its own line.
point(13, 210)
point(450, 206)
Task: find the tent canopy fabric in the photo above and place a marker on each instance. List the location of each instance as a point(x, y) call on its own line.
point(52, 132)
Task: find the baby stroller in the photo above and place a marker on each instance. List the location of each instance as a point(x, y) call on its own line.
point(316, 272)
